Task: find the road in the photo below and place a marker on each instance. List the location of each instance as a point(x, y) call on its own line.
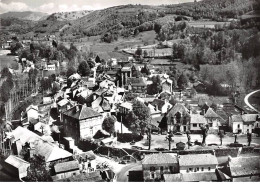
point(247, 103)
point(122, 176)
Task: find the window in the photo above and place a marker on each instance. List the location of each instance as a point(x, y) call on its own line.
point(152, 168)
point(152, 175)
point(202, 168)
point(161, 168)
point(194, 125)
point(198, 169)
point(209, 168)
point(190, 169)
point(238, 126)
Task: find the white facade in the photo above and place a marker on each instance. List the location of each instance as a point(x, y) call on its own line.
point(89, 127)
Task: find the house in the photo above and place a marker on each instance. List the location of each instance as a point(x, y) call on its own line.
point(178, 118)
point(81, 122)
point(101, 105)
point(108, 84)
point(125, 108)
point(167, 85)
point(236, 122)
point(66, 169)
point(194, 163)
point(64, 105)
point(213, 120)
point(196, 121)
point(249, 121)
point(16, 166)
point(162, 105)
point(32, 112)
point(136, 85)
point(244, 168)
point(191, 177)
point(155, 165)
point(38, 145)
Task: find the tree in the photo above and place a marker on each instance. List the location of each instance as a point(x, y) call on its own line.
point(139, 51)
point(183, 81)
point(109, 124)
point(163, 123)
point(37, 170)
point(142, 112)
point(193, 93)
point(97, 59)
point(71, 70)
point(221, 136)
point(204, 130)
point(84, 69)
point(156, 86)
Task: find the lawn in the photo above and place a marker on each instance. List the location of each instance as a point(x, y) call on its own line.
point(6, 60)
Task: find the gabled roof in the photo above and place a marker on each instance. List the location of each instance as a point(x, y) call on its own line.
point(136, 81)
point(211, 113)
point(178, 108)
point(66, 166)
point(82, 113)
point(249, 117)
point(197, 159)
point(16, 161)
point(197, 118)
point(244, 166)
point(160, 158)
point(63, 102)
point(102, 103)
point(237, 118)
point(49, 151)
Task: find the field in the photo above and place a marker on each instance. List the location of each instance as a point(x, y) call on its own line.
point(206, 24)
point(5, 60)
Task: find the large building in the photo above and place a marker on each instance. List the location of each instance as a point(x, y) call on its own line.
point(81, 122)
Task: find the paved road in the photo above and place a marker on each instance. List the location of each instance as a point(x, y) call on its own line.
point(247, 103)
point(122, 176)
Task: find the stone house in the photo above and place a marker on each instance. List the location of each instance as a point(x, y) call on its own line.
point(167, 85)
point(193, 163)
point(196, 121)
point(243, 123)
point(213, 120)
point(136, 85)
point(178, 118)
point(81, 122)
point(155, 165)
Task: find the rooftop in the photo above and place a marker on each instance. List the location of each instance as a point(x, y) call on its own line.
point(244, 166)
point(66, 166)
point(81, 112)
point(136, 81)
point(160, 158)
point(197, 118)
point(197, 159)
point(211, 113)
point(16, 161)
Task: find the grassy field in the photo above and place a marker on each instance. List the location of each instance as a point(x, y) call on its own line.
point(6, 61)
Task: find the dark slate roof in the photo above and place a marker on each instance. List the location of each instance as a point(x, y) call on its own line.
point(83, 112)
point(211, 113)
point(136, 81)
point(160, 158)
point(66, 166)
point(197, 159)
point(245, 166)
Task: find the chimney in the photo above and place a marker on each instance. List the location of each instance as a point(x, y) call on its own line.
point(68, 106)
point(156, 107)
point(77, 108)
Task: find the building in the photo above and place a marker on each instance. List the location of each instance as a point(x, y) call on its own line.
point(155, 165)
point(191, 177)
point(32, 112)
point(81, 122)
point(194, 163)
point(136, 85)
point(16, 166)
point(244, 123)
point(213, 120)
point(178, 118)
point(167, 85)
point(196, 121)
point(162, 105)
point(244, 168)
point(66, 170)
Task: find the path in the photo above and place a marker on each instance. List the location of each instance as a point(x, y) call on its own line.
point(247, 103)
point(122, 176)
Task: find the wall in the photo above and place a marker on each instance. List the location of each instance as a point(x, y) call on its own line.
point(85, 127)
point(67, 174)
point(195, 128)
point(235, 126)
point(183, 169)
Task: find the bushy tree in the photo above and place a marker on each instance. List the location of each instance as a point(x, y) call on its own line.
point(183, 81)
point(84, 69)
point(139, 51)
point(37, 170)
point(70, 71)
point(109, 124)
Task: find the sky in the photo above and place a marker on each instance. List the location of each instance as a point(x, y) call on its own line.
point(52, 6)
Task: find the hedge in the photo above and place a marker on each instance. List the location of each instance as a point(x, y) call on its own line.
point(128, 137)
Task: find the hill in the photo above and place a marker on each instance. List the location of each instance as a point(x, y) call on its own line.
point(27, 15)
point(68, 16)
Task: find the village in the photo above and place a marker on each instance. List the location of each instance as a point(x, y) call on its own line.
point(106, 127)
